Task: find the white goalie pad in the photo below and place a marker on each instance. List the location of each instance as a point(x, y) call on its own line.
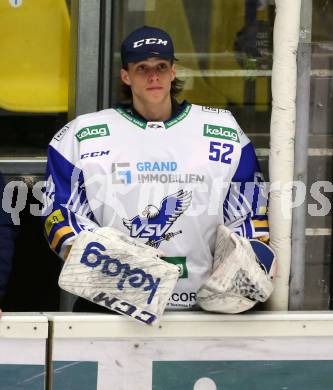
point(120, 273)
point(239, 279)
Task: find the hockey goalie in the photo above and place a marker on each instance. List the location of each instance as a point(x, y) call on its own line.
point(157, 204)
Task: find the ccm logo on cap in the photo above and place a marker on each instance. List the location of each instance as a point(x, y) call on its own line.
point(149, 41)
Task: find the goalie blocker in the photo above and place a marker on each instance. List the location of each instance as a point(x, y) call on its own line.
point(242, 276)
point(120, 273)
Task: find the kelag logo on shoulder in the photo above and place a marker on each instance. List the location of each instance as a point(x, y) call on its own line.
point(92, 132)
point(215, 131)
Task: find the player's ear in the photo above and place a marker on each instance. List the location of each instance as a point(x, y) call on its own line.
point(124, 76)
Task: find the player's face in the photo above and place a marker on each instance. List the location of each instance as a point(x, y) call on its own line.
point(150, 80)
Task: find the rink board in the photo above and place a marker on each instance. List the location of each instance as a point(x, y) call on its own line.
point(23, 339)
point(195, 352)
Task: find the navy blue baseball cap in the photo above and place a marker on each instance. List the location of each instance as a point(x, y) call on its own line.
point(146, 42)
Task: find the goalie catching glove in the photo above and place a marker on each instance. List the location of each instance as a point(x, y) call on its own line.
point(119, 272)
point(242, 276)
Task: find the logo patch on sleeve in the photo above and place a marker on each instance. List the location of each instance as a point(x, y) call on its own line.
point(226, 133)
point(92, 132)
point(52, 219)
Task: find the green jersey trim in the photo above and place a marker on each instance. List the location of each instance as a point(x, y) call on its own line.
point(179, 117)
point(167, 124)
point(131, 118)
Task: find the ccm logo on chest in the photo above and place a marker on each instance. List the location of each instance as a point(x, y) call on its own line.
point(95, 154)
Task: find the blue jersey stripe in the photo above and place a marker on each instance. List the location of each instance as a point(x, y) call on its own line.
point(246, 198)
point(65, 192)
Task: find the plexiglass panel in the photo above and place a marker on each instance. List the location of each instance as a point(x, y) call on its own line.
point(318, 245)
point(224, 49)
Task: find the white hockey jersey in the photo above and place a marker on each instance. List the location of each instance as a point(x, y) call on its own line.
point(168, 183)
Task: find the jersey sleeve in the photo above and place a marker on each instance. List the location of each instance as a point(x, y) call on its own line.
point(66, 208)
point(245, 206)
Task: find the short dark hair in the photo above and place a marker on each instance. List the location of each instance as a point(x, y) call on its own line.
point(177, 86)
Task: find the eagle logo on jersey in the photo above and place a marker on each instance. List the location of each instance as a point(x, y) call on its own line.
point(155, 222)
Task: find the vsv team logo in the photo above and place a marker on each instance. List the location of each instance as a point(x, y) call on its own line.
point(154, 223)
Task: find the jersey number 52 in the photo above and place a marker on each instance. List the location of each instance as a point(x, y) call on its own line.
point(220, 152)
